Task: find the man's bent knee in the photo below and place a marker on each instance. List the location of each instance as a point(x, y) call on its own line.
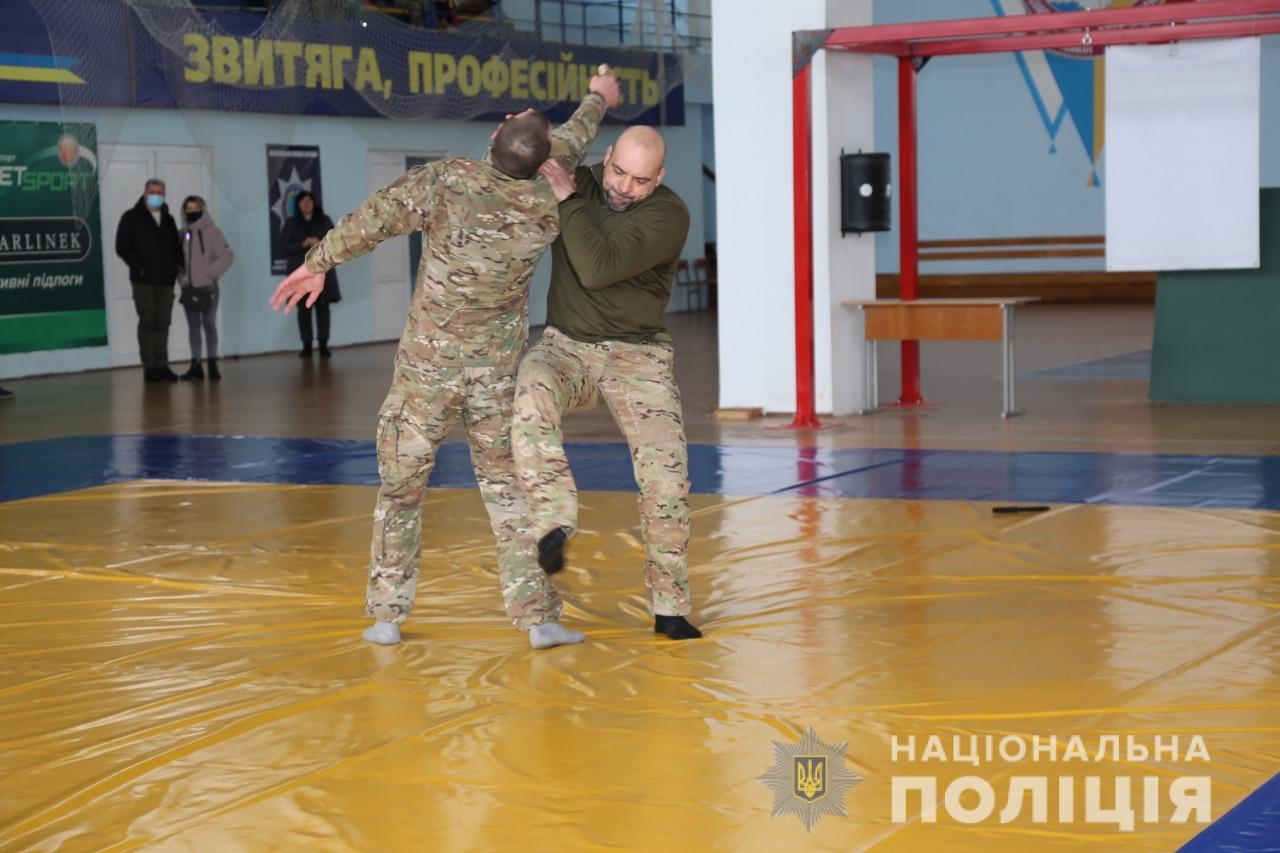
point(537, 403)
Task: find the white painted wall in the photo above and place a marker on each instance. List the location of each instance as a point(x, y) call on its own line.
point(754, 222)
point(844, 265)
point(239, 141)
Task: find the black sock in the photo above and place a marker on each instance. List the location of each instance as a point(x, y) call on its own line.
point(551, 551)
point(675, 627)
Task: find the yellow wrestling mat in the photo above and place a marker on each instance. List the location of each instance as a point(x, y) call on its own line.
point(181, 668)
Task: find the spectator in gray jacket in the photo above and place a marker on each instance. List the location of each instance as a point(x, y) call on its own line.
point(205, 257)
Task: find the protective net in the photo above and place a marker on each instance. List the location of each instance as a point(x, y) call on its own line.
point(340, 52)
point(338, 57)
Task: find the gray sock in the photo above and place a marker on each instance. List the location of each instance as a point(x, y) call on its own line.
point(384, 633)
point(552, 634)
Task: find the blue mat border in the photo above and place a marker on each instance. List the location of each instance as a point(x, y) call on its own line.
point(1253, 826)
point(53, 466)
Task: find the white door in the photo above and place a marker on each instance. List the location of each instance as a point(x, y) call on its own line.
point(392, 277)
point(186, 170)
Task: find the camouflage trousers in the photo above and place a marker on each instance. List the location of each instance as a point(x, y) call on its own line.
point(637, 383)
point(420, 409)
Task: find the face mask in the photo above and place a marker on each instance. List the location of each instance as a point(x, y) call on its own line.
point(194, 215)
point(155, 201)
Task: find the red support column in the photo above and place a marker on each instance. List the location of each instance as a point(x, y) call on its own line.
point(801, 135)
point(908, 224)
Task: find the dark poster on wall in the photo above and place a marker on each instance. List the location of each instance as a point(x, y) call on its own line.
point(291, 170)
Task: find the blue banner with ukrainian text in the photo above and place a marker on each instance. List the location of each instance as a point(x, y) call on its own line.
point(152, 54)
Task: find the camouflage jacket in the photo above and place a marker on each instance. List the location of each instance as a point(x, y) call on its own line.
point(483, 233)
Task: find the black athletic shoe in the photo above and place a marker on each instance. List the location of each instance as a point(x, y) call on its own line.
point(675, 627)
point(551, 551)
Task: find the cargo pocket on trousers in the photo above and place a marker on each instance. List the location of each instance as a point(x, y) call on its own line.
point(387, 442)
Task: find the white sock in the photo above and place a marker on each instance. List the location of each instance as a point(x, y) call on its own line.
point(552, 634)
point(384, 633)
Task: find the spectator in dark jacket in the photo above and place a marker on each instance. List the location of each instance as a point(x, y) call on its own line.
point(303, 230)
point(147, 240)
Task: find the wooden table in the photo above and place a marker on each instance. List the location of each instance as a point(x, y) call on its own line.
point(938, 320)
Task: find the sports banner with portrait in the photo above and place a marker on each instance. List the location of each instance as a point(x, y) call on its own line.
point(51, 292)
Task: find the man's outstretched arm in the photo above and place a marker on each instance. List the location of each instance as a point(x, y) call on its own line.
point(570, 141)
point(397, 209)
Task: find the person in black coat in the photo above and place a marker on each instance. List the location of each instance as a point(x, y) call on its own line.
point(303, 230)
point(147, 240)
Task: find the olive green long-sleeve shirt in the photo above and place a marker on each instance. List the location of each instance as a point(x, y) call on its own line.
point(612, 271)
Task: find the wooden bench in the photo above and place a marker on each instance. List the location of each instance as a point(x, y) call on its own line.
point(938, 320)
point(1057, 286)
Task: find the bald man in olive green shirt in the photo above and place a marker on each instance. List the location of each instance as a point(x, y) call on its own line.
point(606, 343)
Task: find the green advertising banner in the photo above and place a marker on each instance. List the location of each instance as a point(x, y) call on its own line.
point(51, 290)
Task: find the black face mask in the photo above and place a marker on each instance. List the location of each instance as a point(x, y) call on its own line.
point(193, 215)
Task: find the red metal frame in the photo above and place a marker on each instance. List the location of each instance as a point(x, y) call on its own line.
point(1172, 21)
point(908, 217)
point(801, 147)
point(1007, 33)
point(1152, 34)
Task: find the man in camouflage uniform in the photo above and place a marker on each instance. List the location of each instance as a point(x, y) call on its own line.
point(606, 343)
point(485, 225)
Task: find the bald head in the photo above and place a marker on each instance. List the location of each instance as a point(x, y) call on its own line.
point(633, 167)
point(645, 141)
